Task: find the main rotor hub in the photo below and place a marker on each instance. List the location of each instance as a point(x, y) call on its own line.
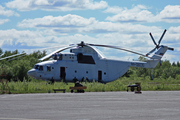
point(82, 44)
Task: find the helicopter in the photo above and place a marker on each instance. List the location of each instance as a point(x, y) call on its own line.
point(86, 63)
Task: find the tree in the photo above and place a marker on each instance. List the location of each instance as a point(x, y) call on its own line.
point(178, 64)
point(174, 64)
point(1, 51)
point(20, 70)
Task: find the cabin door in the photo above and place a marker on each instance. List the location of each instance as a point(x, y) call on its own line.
point(99, 75)
point(62, 73)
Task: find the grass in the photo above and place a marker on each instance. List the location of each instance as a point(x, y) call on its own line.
point(118, 85)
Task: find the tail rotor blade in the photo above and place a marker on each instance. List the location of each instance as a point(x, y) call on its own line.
point(162, 37)
point(151, 51)
point(170, 48)
point(153, 39)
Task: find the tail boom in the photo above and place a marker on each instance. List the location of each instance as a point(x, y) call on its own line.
point(155, 59)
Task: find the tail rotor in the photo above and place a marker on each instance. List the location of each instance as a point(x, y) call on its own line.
point(156, 45)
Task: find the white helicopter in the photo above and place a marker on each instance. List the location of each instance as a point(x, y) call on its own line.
point(84, 62)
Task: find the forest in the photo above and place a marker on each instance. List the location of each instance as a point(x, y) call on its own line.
point(16, 69)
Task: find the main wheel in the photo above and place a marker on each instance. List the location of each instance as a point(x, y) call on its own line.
point(132, 89)
point(138, 88)
point(82, 91)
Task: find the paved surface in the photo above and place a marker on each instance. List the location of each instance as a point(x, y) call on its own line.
point(150, 105)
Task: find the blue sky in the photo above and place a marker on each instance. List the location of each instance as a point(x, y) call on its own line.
point(29, 25)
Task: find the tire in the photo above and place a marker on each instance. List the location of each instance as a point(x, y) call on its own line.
point(132, 89)
point(138, 88)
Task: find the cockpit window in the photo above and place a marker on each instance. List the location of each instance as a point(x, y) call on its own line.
point(40, 68)
point(36, 67)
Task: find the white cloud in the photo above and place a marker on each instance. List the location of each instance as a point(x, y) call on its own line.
point(174, 30)
point(14, 37)
point(62, 5)
point(77, 24)
point(171, 13)
point(2, 21)
point(125, 35)
point(55, 22)
point(114, 10)
point(141, 13)
point(7, 12)
point(138, 13)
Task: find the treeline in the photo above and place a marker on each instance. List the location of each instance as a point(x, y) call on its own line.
point(16, 69)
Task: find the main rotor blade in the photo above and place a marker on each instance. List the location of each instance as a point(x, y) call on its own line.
point(12, 56)
point(57, 51)
point(153, 39)
point(17, 57)
point(162, 37)
point(115, 47)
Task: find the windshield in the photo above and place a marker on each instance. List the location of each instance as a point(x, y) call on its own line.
point(36, 67)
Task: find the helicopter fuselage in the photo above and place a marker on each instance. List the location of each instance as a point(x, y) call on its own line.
point(83, 63)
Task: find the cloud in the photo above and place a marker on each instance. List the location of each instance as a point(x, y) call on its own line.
point(14, 37)
point(175, 30)
point(55, 22)
point(56, 5)
point(2, 21)
point(7, 13)
point(114, 10)
point(77, 24)
point(121, 34)
point(171, 13)
point(140, 13)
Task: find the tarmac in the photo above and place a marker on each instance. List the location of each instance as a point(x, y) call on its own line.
point(150, 105)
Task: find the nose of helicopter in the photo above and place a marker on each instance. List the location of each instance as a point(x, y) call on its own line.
point(31, 72)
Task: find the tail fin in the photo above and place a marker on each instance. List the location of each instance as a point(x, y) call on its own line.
point(161, 51)
point(156, 58)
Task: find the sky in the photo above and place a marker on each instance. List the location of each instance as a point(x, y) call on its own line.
point(30, 25)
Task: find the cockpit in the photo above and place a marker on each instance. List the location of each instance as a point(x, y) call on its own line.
point(38, 67)
point(43, 67)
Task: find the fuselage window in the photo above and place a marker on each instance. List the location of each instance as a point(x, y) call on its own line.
point(40, 68)
point(48, 68)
